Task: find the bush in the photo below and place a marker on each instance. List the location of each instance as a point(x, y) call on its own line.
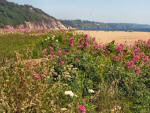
point(73, 73)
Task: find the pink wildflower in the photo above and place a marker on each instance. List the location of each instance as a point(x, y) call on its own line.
point(81, 43)
point(138, 70)
point(87, 44)
point(136, 51)
point(136, 58)
point(144, 57)
point(94, 40)
point(60, 53)
point(120, 48)
point(71, 42)
point(45, 51)
point(96, 46)
point(84, 42)
point(87, 41)
point(37, 76)
point(77, 59)
point(80, 46)
point(62, 62)
point(148, 43)
point(87, 37)
point(51, 50)
point(82, 108)
point(130, 64)
point(117, 58)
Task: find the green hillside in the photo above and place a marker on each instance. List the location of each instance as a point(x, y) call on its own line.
point(14, 14)
point(91, 25)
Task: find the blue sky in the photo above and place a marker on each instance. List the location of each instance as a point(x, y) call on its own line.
point(126, 11)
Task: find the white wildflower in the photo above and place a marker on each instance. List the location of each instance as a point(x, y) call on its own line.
point(90, 90)
point(75, 68)
point(56, 40)
point(53, 37)
point(48, 38)
point(116, 108)
point(70, 93)
point(63, 109)
point(112, 110)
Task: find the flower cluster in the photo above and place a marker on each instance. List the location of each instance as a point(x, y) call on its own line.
point(148, 43)
point(82, 108)
point(37, 76)
point(84, 42)
point(71, 41)
point(138, 60)
point(120, 48)
point(69, 93)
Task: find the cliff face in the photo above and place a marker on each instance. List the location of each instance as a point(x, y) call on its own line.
point(51, 24)
point(24, 16)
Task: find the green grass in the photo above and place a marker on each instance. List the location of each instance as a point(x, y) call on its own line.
point(9, 44)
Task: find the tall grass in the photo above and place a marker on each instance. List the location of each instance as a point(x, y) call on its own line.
point(12, 43)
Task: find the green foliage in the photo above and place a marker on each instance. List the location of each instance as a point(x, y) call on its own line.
point(69, 72)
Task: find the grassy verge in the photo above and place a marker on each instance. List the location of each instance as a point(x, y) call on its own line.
point(11, 43)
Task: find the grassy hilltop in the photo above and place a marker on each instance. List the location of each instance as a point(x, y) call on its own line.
point(15, 15)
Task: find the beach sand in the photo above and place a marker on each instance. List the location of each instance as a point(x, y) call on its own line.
point(118, 36)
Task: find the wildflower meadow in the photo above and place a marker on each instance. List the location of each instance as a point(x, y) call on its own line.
point(69, 72)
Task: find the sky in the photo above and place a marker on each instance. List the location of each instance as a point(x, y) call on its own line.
point(114, 11)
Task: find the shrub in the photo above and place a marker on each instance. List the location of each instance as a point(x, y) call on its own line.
point(74, 73)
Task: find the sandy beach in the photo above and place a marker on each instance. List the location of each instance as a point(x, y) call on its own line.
point(118, 36)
